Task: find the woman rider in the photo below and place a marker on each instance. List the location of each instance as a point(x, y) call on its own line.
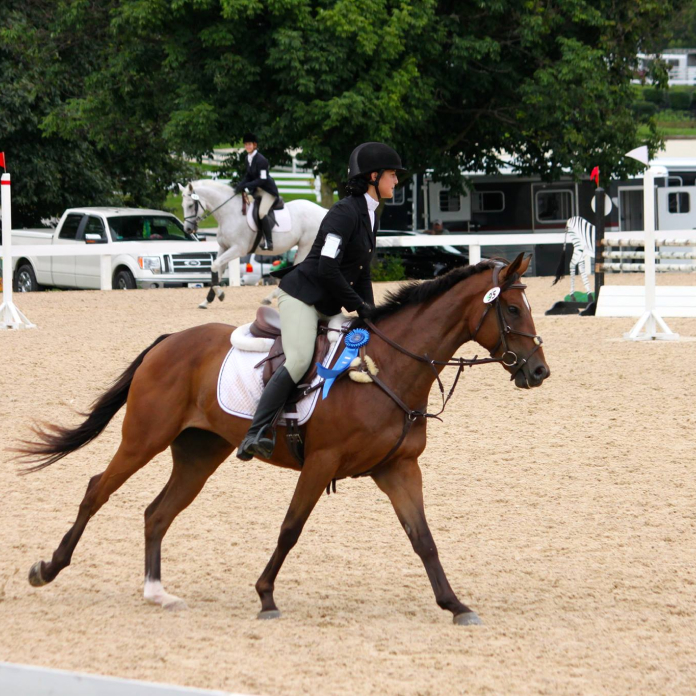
point(335, 274)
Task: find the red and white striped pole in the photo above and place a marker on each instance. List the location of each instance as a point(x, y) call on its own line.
point(10, 316)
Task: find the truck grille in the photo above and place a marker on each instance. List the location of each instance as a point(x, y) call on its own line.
point(188, 263)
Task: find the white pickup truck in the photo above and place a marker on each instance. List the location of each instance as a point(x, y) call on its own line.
point(115, 227)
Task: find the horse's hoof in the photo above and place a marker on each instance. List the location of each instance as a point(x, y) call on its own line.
point(221, 296)
point(35, 577)
point(175, 605)
point(203, 305)
point(265, 301)
point(269, 614)
point(470, 618)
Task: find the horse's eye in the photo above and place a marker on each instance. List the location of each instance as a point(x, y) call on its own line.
point(513, 310)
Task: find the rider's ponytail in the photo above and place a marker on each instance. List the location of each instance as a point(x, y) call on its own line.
point(357, 186)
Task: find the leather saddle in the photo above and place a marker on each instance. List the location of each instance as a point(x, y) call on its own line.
point(267, 325)
point(278, 205)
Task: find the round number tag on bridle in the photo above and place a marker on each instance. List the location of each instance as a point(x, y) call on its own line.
point(491, 295)
point(195, 197)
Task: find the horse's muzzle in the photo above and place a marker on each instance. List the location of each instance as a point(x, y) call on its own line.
point(532, 375)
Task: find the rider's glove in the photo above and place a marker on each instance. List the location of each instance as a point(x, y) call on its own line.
point(239, 187)
point(364, 310)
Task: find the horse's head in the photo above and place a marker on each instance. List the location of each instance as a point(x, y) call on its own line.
point(505, 327)
point(193, 208)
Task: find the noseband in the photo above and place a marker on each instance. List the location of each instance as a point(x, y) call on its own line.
point(504, 328)
point(199, 205)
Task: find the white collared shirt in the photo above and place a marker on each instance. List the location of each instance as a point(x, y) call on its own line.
point(251, 157)
point(372, 205)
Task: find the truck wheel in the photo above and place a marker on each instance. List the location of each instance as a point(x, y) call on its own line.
point(123, 280)
point(25, 279)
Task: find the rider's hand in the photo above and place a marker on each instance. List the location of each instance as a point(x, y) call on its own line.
point(239, 188)
point(363, 310)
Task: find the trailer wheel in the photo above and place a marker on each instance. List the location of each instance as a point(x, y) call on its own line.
point(25, 279)
point(124, 280)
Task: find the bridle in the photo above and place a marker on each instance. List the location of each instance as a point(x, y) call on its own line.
point(504, 328)
point(199, 206)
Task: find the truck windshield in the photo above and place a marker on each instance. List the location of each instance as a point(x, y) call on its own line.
point(143, 228)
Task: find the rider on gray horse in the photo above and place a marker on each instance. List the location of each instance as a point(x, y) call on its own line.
point(259, 182)
point(335, 274)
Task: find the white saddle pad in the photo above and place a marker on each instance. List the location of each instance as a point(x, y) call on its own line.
point(282, 216)
point(240, 384)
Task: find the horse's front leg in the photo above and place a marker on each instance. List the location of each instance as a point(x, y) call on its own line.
point(312, 482)
point(217, 269)
point(402, 482)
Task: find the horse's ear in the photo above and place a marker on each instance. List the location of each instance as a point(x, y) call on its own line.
point(190, 187)
point(514, 267)
point(181, 188)
point(525, 265)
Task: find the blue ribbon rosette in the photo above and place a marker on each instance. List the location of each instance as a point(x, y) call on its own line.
point(353, 341)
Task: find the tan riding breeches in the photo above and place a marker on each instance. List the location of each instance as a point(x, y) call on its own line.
point(298, 325)
point(266, 200)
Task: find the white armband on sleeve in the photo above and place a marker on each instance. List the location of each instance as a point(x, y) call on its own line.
point(332, 245)
point(264, 174)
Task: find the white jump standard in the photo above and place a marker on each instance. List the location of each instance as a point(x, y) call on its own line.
point(10, 316)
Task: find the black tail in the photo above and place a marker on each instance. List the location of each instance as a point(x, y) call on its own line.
point(57, 442)
point(560, 271)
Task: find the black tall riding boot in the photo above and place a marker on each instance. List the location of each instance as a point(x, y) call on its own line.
point(272, 400)
point(267, 226)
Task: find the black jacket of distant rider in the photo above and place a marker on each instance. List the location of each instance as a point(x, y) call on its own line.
point(336, 272)
point(258, 175)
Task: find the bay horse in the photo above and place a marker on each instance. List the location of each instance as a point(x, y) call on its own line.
point(414, 336)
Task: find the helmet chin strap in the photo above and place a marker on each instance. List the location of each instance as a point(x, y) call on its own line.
point(375, 183)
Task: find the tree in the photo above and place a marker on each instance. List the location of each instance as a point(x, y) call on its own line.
point(452, 84)
point(75, 130)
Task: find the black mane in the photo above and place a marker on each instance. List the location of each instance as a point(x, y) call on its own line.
point(415, 292)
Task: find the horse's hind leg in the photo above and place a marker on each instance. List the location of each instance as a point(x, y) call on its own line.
point(124, 464)
point(196, 454)
point(402, 482)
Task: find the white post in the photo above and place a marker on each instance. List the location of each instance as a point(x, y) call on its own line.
point(646, 329)
point(10, 316)
point(234, 273)
point(105, 272)
point(474, 253)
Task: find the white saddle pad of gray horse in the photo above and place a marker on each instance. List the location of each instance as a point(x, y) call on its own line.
point(240, 384)
point(282, 216)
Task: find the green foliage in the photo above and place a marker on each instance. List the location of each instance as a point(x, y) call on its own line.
point(654, 95)
point(390, 268)
point(644, 108)
point(680, 101)
point(106, 99)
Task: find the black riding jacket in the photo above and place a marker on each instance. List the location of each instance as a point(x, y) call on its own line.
point(336, 272)
point(258, 175)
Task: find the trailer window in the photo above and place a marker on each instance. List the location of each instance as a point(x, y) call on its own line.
point(488, 202)
point(678, 203)
point(69, 228)
point(399, 197)
point(554, 206)
point(449, 201)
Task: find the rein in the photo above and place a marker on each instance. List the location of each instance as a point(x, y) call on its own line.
point(198, 205)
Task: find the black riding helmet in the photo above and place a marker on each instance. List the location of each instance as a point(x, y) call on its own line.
point(250, 137)
point(373, 157)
